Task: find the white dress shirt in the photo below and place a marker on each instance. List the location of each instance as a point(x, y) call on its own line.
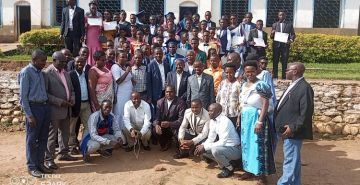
point(169, 102)
point(292, 85)
point(224, 128)
point(92, 122)
point(152, 29)
point(178, 80)
point(162, 72)
point(260, 34)
point(139, 117)
point(71, 16)
point(199, 77)
point(83, 86)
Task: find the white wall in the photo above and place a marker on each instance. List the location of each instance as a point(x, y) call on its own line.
point(304, 11)
point(258, 9)
point(350, 17)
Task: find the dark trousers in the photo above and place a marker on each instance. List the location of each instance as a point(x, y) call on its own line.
point(72, 43)
point(167, 135)
point(283, 52)
point(60, 130)
point(37, 137)
point(190, 151)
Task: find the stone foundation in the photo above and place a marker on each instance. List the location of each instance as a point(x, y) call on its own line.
point(337, 104)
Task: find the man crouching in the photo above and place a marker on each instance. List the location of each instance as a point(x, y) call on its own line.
point(103, 133)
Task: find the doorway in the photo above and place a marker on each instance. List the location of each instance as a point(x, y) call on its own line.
point(23, 19)
point(187, 9)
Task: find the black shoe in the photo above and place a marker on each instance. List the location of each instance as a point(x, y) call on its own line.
point(180, 156)
point(147, 148)
point(207, 160)
point(225, 173)
point(36, 173)
point(67, 157)
point(45, 170)
point(74, 151)
point(51, 165)
point(105, 153)
point(86, 157)
point(129, 148)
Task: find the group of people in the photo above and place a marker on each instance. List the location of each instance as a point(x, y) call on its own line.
point(187, 85)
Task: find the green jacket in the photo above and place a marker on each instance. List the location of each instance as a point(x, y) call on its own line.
point(201, 56)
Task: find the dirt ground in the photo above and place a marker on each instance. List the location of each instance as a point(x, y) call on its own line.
point(324, 162)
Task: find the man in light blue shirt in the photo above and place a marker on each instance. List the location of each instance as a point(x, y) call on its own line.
point(33, 99)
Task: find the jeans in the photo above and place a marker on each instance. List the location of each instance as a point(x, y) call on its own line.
point(292, 163)
point(37, 137)
point(224, 154)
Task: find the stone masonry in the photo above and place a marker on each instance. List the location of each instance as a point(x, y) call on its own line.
point(337, 104)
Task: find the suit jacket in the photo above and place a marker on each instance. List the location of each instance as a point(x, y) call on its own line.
point(254, 34)
point(77, 89)
point(198, 128)
point(173, 114)
point(78, 22)
point(172, 80)
point(213, 24)
point(296, 110)
point(153, 79)
point(287, 28)
point(205, 93)
point(57, 93)
point(173, 65)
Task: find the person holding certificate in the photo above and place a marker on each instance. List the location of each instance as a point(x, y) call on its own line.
point(109, 27)
point(258, 40)
point(93, 25)
point(283, 34)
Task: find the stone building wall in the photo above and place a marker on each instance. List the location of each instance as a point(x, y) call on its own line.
point(337, 104)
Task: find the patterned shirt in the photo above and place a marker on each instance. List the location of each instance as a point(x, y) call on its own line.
point(228, 97)
point(139, 75)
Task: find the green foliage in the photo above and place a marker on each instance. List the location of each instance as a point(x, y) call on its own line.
point(321, 48)
point(44, 39)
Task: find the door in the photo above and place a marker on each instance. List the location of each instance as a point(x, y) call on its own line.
point(23, 19)
point(185, 9)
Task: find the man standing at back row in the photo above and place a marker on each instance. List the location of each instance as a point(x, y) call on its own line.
point(72, 26)
point(281, 48)
point(293, 120)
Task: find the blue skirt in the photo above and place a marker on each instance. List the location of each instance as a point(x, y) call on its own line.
point(257, 154)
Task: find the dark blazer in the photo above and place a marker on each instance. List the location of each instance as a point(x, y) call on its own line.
point(168, 60)
point(296, 110)
point(78, 22)
point(254, 34)
point(76, 84)
point(154, 81)
point(174, 114)
point(205, 93)
point(213, 24)
point(172, 80)
point(57, 93)
point(71, 66)
point(287, 28)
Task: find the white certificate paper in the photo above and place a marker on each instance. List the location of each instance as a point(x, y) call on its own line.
point(237, 40)
point(110, 25)
point(259, 42)
point(95, 21)
point(281, 37)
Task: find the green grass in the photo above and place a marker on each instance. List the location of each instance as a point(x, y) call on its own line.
point(20, 57)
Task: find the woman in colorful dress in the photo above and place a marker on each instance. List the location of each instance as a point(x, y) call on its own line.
point(229, 93)
point(257, 155)
point(122, 77)
point(100, 81)
point(92, 32)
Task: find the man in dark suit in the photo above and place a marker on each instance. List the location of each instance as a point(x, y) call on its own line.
point(281, 49)
point(200, 86)
point(81, 109)
point(172, 56)
point(156, 77)
point(293, 121)
point(84, 53)
point(169, 116)
point(178, 79)
point(61, 98)
point(72, 26)
point(210, 24)
point(260, 34)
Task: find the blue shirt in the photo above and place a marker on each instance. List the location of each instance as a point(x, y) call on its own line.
point(32, 88)
point(83, 86)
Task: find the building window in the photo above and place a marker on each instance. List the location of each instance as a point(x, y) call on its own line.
point(326, 13)
point(111, 5)
point(152, 7)
point(59, 5)
point(235, 7)
point(273, 8)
